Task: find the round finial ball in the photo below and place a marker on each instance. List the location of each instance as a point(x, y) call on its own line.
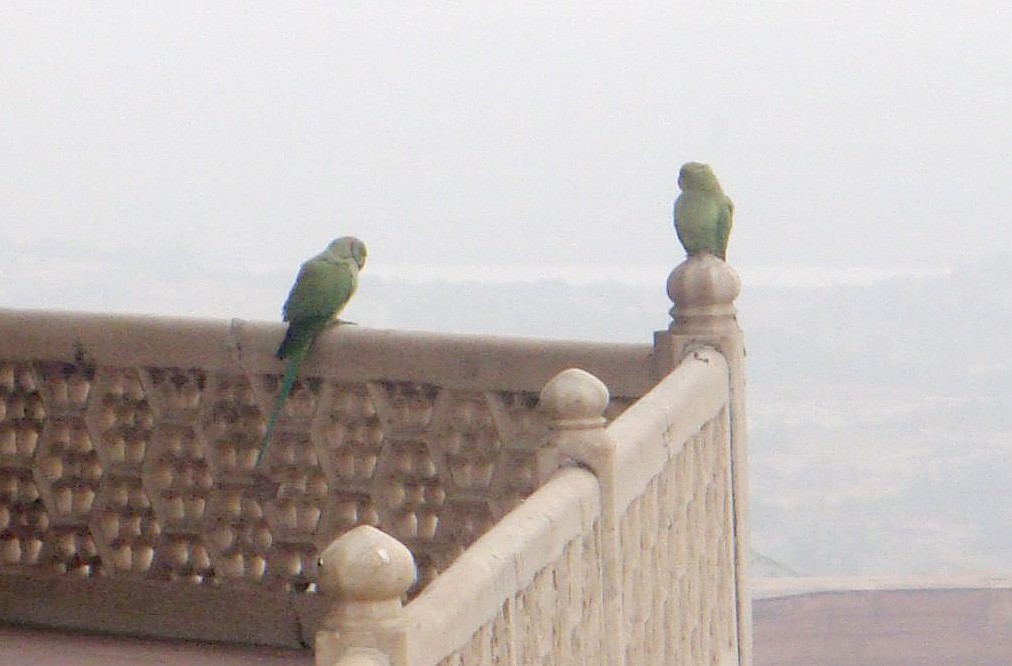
point(702, 280)
point(574, 395)
point(366, 564)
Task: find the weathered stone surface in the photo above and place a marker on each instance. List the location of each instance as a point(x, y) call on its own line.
point(127, 444)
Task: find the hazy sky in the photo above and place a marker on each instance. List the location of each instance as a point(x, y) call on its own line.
point(142, 141)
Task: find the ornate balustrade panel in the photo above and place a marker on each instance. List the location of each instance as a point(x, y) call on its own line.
point(677, 558)
point(555, 620)
point(127, 445)
point(633, 564)
point(528, 592)
point(674, 500)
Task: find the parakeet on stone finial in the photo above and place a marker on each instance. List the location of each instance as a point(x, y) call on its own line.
point(703, 213)
point(322, 288)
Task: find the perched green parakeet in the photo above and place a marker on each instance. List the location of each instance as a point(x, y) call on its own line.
point(703, 213)
point(323, 287)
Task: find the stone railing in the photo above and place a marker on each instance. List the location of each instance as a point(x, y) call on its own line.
point(517, 533)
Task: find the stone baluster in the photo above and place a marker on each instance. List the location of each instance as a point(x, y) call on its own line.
point(703, 289)
point(366, 572)
point(575, 400)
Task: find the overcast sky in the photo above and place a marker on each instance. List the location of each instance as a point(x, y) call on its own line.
point(145, 141)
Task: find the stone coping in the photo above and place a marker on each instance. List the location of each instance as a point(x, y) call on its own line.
point(656, 426)
point(346, 353)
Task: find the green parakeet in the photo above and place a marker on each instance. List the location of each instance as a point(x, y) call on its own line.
point(703, 213)
point(322, 288)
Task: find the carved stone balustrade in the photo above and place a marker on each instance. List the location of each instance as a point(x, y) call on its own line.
point(633, 549)
point(127, 445)
point(427, 499)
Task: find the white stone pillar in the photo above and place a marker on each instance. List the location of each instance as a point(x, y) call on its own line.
point(703, 289)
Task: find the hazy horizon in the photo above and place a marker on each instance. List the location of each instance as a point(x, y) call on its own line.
point(855, 134)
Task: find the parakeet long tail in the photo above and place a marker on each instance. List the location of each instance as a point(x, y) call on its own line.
point(294, 348)
point(295, 358)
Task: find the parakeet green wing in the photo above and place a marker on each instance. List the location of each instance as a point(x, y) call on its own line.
point(320, 292)
point(724, 222)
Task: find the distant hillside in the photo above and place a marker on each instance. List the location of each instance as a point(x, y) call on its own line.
point(880, 425)
point(945, 334)
point(543, 308)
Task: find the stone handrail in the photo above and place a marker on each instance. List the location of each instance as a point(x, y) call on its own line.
point(346, 353)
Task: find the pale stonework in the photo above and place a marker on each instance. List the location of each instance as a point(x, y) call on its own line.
point(556, 502)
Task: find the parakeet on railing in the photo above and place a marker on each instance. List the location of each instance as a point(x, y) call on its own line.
point(322, 288)
point(703, 213)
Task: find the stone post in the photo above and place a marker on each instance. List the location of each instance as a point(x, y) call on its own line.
point(575, 401)
point(366, 572)
point(703, 289)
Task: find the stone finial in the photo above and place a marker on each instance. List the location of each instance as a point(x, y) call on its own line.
point(703, 289)
point(366, 564)
point(575, 399)
point(367, 572)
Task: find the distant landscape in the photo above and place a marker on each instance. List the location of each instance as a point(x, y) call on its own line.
point(880, 414)
point(881, 425)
